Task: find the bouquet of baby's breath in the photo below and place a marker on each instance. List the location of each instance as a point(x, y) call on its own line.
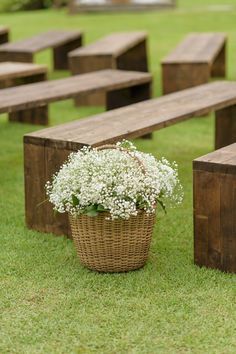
point(94, 181)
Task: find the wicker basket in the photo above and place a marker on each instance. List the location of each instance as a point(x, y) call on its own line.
point(112, 245)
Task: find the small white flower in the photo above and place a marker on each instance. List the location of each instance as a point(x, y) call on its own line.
point(113, 180)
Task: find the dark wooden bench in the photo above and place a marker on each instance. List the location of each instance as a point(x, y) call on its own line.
point(4, 34)
point(47, 149)
point(14, 74)
point(29, 103)
point(195, 60)
point(215, 209)
point(61, 42)
point(122, 50)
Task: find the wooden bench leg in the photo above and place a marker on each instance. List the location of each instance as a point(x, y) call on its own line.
point(38, 115)
point(225, 126)
point(176, 77)
point(218, 67)
point(83, 65)
point(28, 80)
point(17, 57)
point(22, 80)
point(60, 54)
point(34, 78)
point(134, 59)
point(206, 228)
point(40, 163)
point(93, 99)
point(214, 219)
point(4, 38)
point(127, 96)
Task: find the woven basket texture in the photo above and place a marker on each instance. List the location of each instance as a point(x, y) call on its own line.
point(112, 245)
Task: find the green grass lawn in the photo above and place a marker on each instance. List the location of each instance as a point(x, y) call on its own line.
point(49, 303)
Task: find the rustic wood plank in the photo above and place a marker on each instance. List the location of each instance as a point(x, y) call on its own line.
point(40, 94)
point(228, 222)
point(42, 41)
point(12, 70)
point(60, 41)
point(24, 57)
point(86, 65)
point(207, 241)
point(127, 96)
point(55, 90)
point(38, 115)
point(177, 77)
point(14, 74)
point(200, 220)
point(60, 53)
point(141, 118)
point(114, 44)
point(135, 58)
point(39, 211)
point(220, 161)
point(53, 160)
point(198, 57)
point(197, 48)
point(34, 157)
point(215, 209)
point(225, 126)
point(218, 67)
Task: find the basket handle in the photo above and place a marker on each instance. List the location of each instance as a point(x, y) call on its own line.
point(115, 147)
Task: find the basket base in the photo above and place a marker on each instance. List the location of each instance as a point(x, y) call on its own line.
point(114, 269)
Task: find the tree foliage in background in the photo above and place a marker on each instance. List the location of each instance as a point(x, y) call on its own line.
point(17, 5)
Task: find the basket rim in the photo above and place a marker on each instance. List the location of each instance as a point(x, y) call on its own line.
point(107, 213)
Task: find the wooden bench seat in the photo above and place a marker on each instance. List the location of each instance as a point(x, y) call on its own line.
point(29, 103)
point(47, 149)
point(4, 34)
point(214, 177)
point(194, 61)
point(121, 50)
point(14, 74)
point(61, 42)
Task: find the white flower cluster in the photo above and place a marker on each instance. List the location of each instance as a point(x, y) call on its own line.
point(121, 181)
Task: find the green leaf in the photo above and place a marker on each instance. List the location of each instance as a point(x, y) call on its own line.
point(75, 200)
point(92, 213)
point(91, 208)
point(162, 205)
point(141, 203)
point(100, 208)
